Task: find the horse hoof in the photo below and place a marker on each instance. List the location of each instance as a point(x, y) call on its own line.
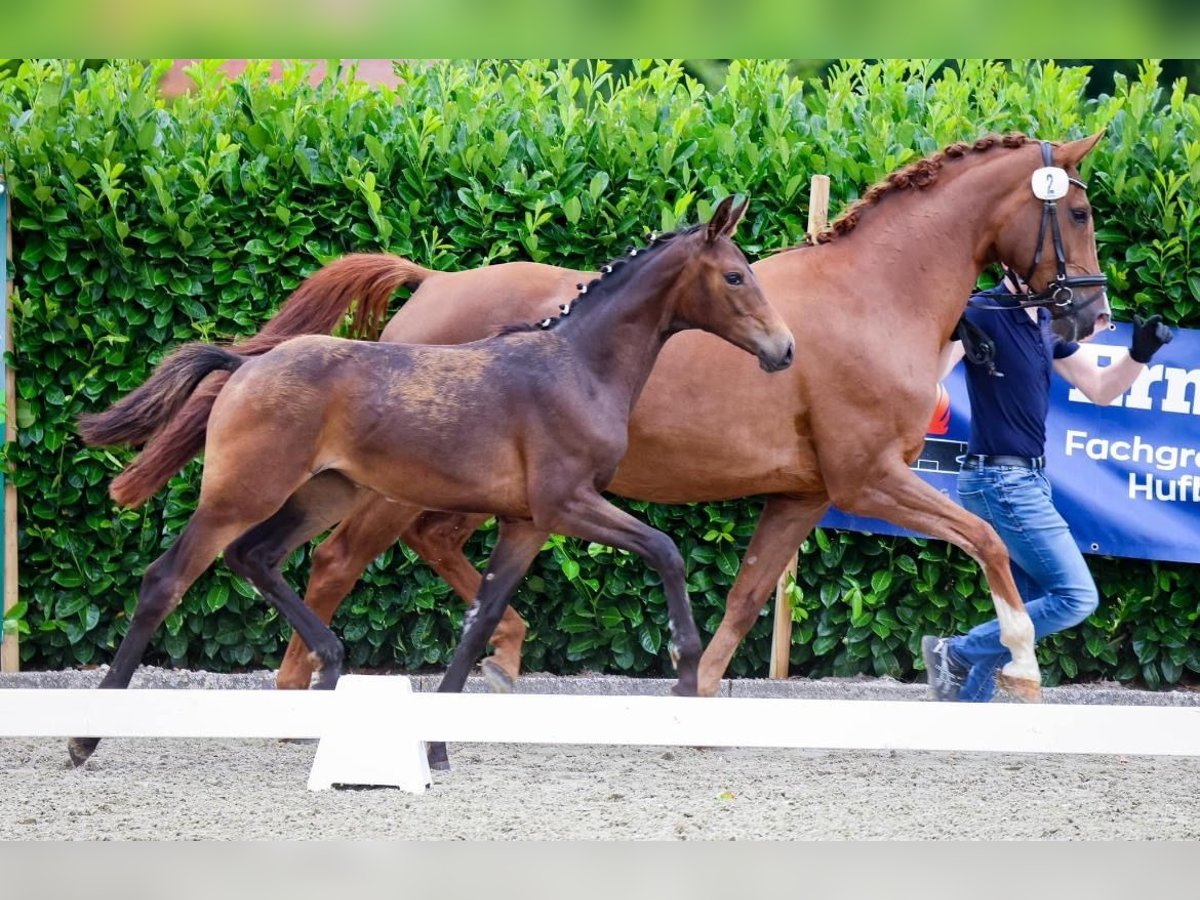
point(326, 681)
point(81, 749)
point(437, 757)
point(679, 689)
point(1023, 689)
point(498, 681)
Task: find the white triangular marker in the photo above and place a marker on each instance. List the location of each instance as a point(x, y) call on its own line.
point(369, 739)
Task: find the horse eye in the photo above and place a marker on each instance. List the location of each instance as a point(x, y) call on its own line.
point(1079, 215)
point(733, 277)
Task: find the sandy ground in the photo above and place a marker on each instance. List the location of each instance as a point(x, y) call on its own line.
point(253, 789)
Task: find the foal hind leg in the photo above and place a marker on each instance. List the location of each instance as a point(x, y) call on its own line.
point(163, 586)
point(784, 524)
point(438, 538)
point(901, 497)
point(258, 554)
point(366, 531)
point(591, 517)
point(519, 543)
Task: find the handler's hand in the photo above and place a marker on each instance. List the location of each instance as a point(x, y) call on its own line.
point(1148, 335)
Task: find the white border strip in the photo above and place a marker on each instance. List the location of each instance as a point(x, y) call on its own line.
point(573, 719)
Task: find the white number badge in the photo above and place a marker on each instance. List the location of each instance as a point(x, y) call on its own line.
point(1050, 183)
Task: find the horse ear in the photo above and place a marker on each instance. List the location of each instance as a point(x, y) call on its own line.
point(719, 221)
point(736, 216)
point(1071, 153)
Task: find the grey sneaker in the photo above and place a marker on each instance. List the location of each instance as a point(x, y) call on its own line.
point(945, 676)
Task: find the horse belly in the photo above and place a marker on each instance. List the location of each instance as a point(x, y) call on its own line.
point(467, 478)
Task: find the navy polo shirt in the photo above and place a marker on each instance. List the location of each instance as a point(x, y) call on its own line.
point(1008, 414)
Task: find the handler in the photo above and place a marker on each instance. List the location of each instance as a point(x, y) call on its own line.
point(1003, 478)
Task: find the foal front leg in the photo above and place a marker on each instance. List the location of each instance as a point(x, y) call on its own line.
point(591, 517)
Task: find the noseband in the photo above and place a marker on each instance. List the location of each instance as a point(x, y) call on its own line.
point(1059, 294)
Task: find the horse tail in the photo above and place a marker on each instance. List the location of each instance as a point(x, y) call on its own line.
point(178, 442)
point(358, 284)
point(361, 282)
point(151, 405)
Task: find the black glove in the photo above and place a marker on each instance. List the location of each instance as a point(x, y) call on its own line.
point(1148, 335)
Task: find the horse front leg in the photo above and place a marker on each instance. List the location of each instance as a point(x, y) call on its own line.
point(589, 516)
point(438, 538)
point(901, 497)
point(783, 526)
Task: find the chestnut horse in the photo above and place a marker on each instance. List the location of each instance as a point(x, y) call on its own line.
point(528, 426)
point(873, 303)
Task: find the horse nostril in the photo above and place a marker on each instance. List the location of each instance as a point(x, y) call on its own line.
point(789, 355)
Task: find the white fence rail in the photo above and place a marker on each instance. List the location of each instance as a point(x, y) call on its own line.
point(371, 727)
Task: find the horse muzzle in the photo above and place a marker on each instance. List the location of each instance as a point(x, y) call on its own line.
point(778, 359)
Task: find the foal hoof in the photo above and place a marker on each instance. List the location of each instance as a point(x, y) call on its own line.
point(498, 681)
point(81, 749)
point(1023, 689)
point(326, 680)
point(679, 689)
point(437, 757)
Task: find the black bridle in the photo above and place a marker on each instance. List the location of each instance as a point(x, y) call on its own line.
point(1059, 294)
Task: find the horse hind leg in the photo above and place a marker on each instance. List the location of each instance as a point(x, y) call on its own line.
point(438, 538)
point(163, 586)
point(783, 526)
point(901, 497)
point(365, 532)
point(516, 548)
point(259, 553)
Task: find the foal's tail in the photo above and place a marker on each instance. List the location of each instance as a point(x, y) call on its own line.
point(362, 281)
point(156, 401)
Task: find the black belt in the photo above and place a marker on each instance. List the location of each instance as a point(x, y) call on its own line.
point(978, 460)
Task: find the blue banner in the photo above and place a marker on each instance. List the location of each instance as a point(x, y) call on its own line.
point(1126, 477)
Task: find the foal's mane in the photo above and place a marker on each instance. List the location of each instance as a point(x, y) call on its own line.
point(612, 277)
point(918, 175)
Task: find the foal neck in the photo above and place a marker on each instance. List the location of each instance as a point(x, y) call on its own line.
point(619, 323)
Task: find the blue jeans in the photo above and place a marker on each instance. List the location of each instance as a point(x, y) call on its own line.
point(1051, 574)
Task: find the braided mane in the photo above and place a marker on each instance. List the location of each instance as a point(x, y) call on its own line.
point(612, 276)
point(918, 175)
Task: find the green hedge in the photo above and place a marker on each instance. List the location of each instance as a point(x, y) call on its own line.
point(140, 224)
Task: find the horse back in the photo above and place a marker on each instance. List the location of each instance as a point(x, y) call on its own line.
point(459, 307)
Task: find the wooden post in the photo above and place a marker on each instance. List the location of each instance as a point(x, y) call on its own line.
point(781, 635)
point(10, 659)
point(818, 205)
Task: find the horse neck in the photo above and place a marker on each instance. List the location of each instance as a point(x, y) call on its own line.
point(617, 336)
point(934, 244)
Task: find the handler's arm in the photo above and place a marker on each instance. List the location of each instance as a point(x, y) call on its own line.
point(1100, 384)
point(1104, 384)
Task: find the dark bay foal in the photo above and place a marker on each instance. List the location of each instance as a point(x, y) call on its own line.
point(528, 426)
